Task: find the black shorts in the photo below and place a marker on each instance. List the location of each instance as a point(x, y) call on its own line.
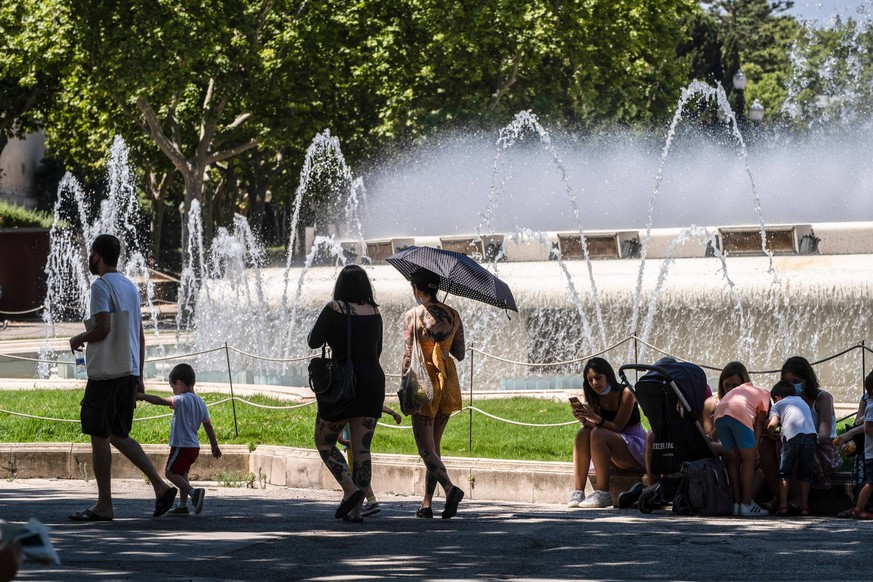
point(107, 407)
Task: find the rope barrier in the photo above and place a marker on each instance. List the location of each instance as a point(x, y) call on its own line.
point(26, 359)
point(34, 310)
point(22, 414)
point(188, 355)
point(269, 359)
point(544, 364)
point(517, 423)
point(209, 405)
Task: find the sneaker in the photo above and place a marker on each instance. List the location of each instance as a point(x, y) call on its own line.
point(629, 497)
point(179, 510)
point(597, 499)
point(197, 496)
point(425, 512)
point(752, 510)
point(370, 508)
point(577, 498)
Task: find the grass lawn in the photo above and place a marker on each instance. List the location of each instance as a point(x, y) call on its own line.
point(294, 427)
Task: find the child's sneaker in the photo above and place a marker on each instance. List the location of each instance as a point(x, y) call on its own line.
point(577, 498)
point(179, 510)
point(197, 496)
point(598, 499)
point(752, 510)
point(368, 508)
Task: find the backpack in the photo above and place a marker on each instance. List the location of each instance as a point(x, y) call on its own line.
point(705, 489)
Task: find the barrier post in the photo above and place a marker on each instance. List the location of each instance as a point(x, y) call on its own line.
point(636, 357)
point(232, 398)
point(472, 353)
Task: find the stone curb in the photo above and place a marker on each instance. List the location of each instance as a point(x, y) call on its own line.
point(482, 479)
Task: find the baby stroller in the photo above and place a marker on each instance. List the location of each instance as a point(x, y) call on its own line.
point(671, 395)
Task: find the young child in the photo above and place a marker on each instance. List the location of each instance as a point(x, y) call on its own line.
point(859, 511)
point(740, 417)
point(189, 412)
point(798, 442)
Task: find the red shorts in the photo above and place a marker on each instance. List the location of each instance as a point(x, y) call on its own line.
point(181, 459)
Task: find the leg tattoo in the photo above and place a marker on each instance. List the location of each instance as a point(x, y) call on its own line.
point(363, 474)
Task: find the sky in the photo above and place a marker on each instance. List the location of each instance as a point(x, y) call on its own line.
point(824, 10)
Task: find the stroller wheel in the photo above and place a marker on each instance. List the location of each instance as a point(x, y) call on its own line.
point(647, 500)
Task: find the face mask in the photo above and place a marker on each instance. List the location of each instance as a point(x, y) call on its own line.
point(92, 266)
point(606, 390)
point(798, 388)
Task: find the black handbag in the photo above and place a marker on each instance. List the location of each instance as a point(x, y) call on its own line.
point(334, 382)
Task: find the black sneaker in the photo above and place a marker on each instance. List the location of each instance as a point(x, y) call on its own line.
point(631, 496)
point(425, 512)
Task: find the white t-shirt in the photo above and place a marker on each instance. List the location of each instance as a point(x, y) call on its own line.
point(794, 415)
point(128, 300)
point(189, 412)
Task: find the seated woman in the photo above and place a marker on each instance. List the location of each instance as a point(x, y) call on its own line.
point(611, 433)
point(799, 372)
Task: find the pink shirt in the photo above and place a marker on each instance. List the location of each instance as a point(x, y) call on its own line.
point(743, 403)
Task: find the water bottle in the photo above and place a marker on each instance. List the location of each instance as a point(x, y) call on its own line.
point(80, 365)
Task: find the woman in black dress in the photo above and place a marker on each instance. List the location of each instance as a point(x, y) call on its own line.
point(352, 295)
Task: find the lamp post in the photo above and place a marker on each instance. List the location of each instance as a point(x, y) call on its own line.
point(756, 112)
point(740, 87)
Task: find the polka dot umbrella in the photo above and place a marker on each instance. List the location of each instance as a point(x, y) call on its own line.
point(459, 274)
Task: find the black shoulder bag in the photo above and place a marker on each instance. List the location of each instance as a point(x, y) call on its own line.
point(334, 382)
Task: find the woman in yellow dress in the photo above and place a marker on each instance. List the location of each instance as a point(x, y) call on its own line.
point(438, 328)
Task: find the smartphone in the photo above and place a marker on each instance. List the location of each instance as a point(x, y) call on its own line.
point(575, 402)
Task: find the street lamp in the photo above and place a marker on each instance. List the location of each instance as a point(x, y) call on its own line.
point(756, 112)
point(740, 87)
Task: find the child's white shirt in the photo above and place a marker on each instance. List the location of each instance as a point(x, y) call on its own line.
point(189, 412)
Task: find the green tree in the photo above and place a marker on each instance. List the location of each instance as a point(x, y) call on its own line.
point(758, 35)
point(32, 61)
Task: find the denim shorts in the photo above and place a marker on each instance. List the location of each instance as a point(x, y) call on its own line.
point(798, 451)
point(733, 434)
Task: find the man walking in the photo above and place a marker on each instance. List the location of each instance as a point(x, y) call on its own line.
point(107, 407)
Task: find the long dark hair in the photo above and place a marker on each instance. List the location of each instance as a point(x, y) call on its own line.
point(603, 367)
point(732, 369)
point(353, 286)
point(801, 368)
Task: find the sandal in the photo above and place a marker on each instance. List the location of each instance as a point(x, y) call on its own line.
point(452, 501)
point(846, 513)
point(804, 511)
point(348, 505)
point(861, 514)
point(782, 511)
point(89, 515)
point(164, 503)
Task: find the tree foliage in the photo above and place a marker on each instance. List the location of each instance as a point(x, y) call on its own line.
point(219, 99)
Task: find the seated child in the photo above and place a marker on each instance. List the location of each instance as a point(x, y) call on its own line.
point(798, 442)
point(859, 511)
point(189, 412)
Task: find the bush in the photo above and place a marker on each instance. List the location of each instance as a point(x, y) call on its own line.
point(13, 216)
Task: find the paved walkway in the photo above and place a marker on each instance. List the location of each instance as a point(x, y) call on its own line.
point(282, 533)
